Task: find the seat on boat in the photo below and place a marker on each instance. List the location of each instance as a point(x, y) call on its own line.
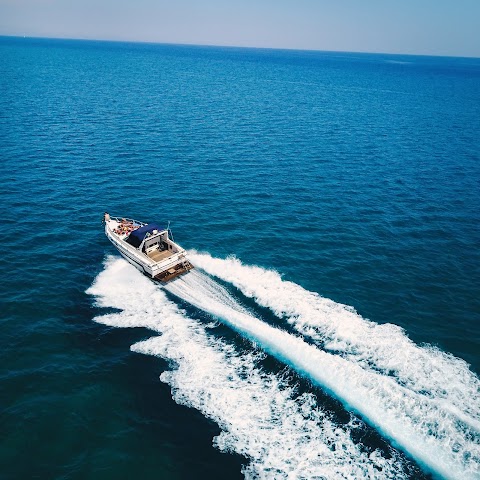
point(157, 255)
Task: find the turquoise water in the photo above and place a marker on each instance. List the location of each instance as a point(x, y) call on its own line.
point(300, 183)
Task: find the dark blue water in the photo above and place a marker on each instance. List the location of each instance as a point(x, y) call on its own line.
point(355, 176)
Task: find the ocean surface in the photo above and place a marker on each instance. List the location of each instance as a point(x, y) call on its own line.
point(330, 204)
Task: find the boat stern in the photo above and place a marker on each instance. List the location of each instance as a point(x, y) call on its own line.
point(173, 272)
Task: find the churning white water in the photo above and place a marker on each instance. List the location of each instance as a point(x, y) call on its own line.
point(407, 405)
point(282, 434)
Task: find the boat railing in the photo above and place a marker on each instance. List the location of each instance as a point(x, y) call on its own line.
point(120, 219)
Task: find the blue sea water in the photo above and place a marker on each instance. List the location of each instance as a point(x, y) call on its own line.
point(330, 202)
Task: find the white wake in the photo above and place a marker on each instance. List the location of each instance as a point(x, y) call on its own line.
point(283, 435)
point(423, 399)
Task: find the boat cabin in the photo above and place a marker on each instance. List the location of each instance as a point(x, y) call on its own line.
point(153, 241)
point(147, 247)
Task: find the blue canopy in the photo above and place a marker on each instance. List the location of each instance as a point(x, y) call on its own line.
point(137, 236)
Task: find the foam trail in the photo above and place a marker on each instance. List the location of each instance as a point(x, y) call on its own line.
point(284, 436)
point(417, 407)
point(338, 328)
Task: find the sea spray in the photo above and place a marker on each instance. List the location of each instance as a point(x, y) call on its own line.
point(436, 400)
point(282, 434)
point(338, 328)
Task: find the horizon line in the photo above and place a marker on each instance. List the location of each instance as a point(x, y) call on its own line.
point(146, 42)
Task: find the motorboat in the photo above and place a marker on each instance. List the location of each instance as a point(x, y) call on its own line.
point(147, 247)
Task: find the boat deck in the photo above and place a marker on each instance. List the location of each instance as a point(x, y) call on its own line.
point(158, 256)
point(174, 272)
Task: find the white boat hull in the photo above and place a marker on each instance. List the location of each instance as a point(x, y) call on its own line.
point(173, 257)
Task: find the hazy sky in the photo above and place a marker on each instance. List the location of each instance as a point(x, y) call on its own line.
point(436, 27)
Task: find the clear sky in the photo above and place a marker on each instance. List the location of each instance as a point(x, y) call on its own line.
point(431, 27)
